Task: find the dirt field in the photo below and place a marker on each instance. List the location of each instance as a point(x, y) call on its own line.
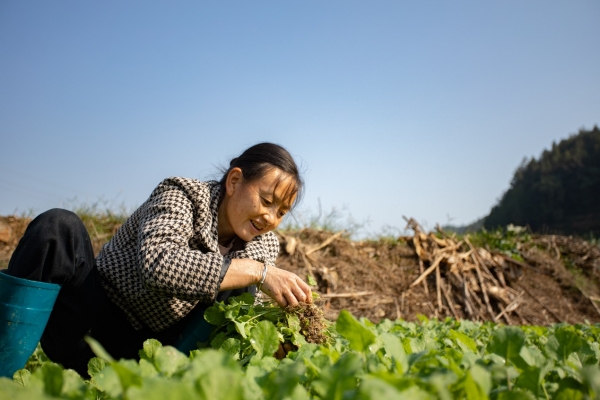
point(373, 279)
point(558, 282)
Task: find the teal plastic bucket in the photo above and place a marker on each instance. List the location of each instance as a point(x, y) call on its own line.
point(196, 330)
point(25, 307)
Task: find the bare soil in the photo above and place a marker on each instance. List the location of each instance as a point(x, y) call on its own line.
point(372, 279)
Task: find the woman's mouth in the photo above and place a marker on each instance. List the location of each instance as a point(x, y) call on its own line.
point(256, 226)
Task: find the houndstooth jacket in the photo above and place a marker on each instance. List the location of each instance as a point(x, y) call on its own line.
point(165, 258)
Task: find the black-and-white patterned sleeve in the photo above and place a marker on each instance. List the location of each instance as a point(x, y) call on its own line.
point(168, 266)
point(271, 244)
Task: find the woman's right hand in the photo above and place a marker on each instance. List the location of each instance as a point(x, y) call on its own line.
point(286, 288)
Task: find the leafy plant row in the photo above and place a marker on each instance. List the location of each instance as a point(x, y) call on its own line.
point(430, 359)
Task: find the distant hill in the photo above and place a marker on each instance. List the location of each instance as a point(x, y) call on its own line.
point(557, 193)
point(461, 230)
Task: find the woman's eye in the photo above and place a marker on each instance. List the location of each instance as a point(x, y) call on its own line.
point(266, 202)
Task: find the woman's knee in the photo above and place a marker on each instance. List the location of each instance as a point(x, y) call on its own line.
point(58, 218)
point(59, 215)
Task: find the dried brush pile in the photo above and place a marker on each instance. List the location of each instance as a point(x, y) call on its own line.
point(466, 277)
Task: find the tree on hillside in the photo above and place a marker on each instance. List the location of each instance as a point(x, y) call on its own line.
point(559, 192)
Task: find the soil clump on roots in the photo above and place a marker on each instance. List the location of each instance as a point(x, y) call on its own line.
point(313, 325)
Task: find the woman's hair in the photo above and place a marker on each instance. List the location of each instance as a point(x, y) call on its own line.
point(258, 159)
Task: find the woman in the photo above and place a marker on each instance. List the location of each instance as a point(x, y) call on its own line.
point(190, 244)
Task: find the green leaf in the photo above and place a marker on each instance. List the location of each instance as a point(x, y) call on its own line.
point(293, 322)
point(374, 388)
point(482, 378)
point(533, 356)
point(53, 378)
point(107, 381)
point(283, 382)
point(129, 373)
point(358, 336)
point(149, 348)
point(147, 368)
point(218, 340)
point(98, 349)
point(245, 298)
point(463, 340)
point(335, 382)
point(73, 385)
point(394, 349)
point(515, 394)
point(205, 361)
point(591, 378)
point(95, 365)
point(562, 343)
point(422, 318)
point(217, 376)
point(232, 347)
point(441, 381)
point(311, 281)
point(416, 345)
point(215, 315)
point(299, 393)
point(406, 345)
point(160, 389)
point(22, 377)
point(169, 360)
point(298, 339)
point(569, 389)
point(264, 339)
point(11, 390)
point(266, 364)
point(507, 343)
point(240, 325)
point(532, 379)
point(232, 311)
point(568, 394)
point(211, 385)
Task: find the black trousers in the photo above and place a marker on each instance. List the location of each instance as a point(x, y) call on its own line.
point(56, 248)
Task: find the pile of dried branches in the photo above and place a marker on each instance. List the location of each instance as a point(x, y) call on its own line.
point(467, 279)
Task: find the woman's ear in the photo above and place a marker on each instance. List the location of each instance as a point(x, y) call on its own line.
point(234, 178)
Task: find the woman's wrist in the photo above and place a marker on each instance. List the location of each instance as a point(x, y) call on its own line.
point(263, 276)
point(242, 272)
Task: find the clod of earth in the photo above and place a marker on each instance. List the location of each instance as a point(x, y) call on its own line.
point(312, 322)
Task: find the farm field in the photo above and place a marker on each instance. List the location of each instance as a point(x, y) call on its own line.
point(494, 315)
point(430, 359)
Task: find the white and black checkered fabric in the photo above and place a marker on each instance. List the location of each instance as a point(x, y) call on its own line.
point(165, 258)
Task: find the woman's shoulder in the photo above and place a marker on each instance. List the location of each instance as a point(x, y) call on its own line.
point(186, 184)
point(200, 197)
point(192, 188)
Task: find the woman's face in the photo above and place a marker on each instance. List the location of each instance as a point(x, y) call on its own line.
point(254, 208)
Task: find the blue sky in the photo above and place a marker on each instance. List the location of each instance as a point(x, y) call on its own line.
point(422, 109)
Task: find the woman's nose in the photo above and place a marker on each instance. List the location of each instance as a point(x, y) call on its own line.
point(269, 216)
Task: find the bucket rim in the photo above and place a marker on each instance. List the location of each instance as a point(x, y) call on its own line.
point(26, 282)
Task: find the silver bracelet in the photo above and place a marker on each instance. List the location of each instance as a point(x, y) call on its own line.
point(262, 278)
